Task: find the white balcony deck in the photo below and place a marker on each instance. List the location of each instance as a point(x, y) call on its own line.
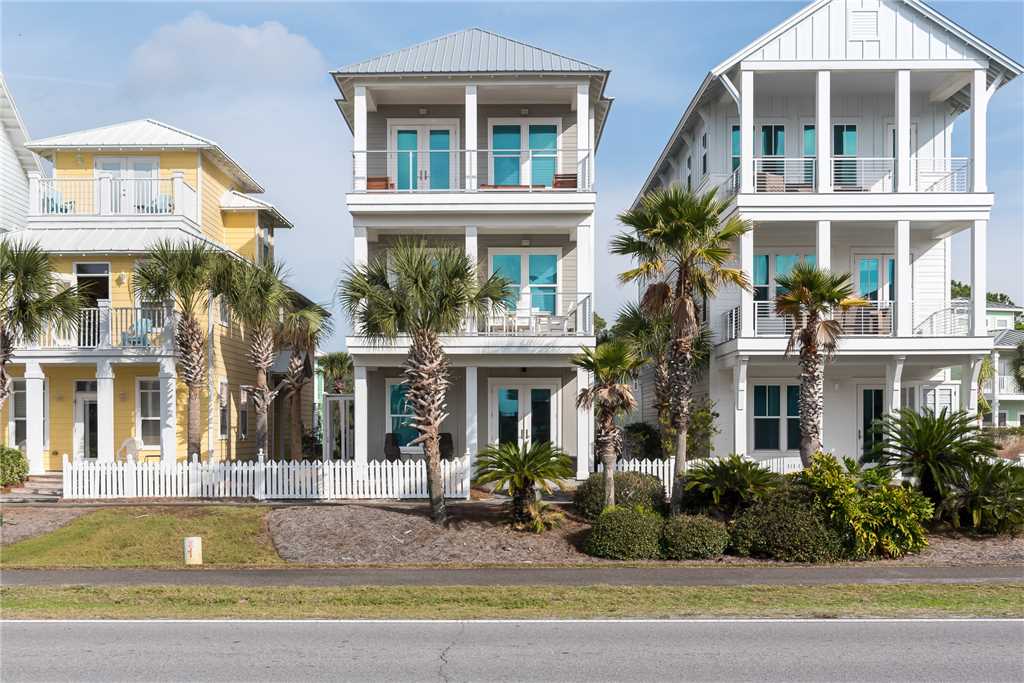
point(138, 330)
point(78, 198)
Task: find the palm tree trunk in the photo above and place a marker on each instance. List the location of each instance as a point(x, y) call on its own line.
point(609, 443)
point(426, 375)
point(662, 396)
point(261, 401)
point(195, 434)
point(296, 424)
point(812, 399)
point(6, 353)
point(681, 400)
point(191, 346)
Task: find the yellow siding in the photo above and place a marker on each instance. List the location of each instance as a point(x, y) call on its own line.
point(81, 164)
point(214, 184)
point(120, 287)
point(240, 229)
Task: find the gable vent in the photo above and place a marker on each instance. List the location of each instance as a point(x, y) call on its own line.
point(863, 25)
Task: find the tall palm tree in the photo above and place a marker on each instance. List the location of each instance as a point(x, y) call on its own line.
point(648, 335)
point(337, 369)
point(184, 273)
point(612, 365)
point(33, 299)
point(303, 328)
point(680, 245)
point(426, 292)
point(809, 297)
point(258, 295)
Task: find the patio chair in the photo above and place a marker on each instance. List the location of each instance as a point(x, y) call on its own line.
point(392, 452)
point(129, 449)
point(138, 335)
point(447, 446)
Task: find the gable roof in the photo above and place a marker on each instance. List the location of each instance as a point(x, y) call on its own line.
point(238, 201)
point(991, 306)
point(1008, 339)
point(13, 125)
point(143, 134)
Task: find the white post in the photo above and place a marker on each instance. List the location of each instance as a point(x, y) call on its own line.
point(34, 408)
point(823, 131)
point(979, 278)
point(35, 201)
point(739, 381)
point(168, 411)
point(361, 391)
point(747, 295)
point(585, 263)
point(903, 179)
point(584, 449)
point(591, 140)
point(584, 155)
point(470, 250)
point(472, 442)
point(894, 382)
point(106, 195)
point(823, 245)
point(105, 341)
point(359, 165)
point(969, 386)
point(104, 411)
point(995, 389)
point(471, 137)
point(360, 250)
point(979, 113)
point(746, 132)
point(178, 192)
point(904, 305)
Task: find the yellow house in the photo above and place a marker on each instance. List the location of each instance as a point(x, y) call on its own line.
point(112, 383)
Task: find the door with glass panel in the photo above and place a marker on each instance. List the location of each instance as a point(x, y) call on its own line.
point(871, 407)
point(773, 152)
point(524, 155)
point(846, 175)
point(875, 279)
point(534, 286)
point(523, 412)
point(424, 157)
point(134, 186)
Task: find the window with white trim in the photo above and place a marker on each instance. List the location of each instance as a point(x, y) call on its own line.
point(400, 415)
point(524, 151)
point(704, 154)
point(224, 311)
point(17, 425)
point(771, 415)
point(147, 427)
point(243, 412)
point(225, 409)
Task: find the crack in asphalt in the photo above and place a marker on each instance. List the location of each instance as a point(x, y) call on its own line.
point(444, 654)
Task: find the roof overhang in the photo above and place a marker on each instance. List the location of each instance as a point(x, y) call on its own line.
point(16, 131)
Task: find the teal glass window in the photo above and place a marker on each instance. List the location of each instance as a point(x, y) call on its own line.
point(543, 281)
point(400, 415)
point(867, 278)
point(506, 143)
point(761, 277)
point(844, 140)
point(766, 417)
point(736, 147)
point(440, 160)
point(793, 418)
point(407, 160)
point(811, 260)
point(890, 285)
point(810, 151)
point(783, 266)
point(509, 266)
point(508, 416)
point(543, 141)
point(773, 140)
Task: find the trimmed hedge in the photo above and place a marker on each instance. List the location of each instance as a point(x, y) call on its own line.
point(784, 525)
point(626, 533)
point(693, 537)
point(631, 489)
point(13, 466)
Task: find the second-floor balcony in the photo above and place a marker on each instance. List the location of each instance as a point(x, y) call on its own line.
point(144, 329)
point(860, 174)
point(55, 198)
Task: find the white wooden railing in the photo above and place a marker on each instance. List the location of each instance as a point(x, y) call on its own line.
point(1007, 384)
point(784, 174)
point(111, 327)
point(665, 469)
point(260, 479)
point(863, 174)
point(106, 196)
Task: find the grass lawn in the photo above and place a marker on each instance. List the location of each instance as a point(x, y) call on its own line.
point(150, 537)
point(521, 602)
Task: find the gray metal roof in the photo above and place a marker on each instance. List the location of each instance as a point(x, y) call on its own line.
point(473, 50)
point(1009, 339)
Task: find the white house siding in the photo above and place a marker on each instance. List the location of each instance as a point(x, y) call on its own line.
point(931, 277)
point(13, 187)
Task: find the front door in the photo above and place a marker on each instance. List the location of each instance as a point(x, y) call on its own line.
point(86, 424)
point(523, 412)
point(423, 158)
point(871, 408)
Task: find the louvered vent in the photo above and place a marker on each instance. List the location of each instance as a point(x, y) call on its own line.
point(863, 25)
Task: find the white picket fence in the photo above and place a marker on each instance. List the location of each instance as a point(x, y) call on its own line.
point(665, 469)
point(260, 479)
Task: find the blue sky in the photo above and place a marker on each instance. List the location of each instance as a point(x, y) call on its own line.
point(253, 77)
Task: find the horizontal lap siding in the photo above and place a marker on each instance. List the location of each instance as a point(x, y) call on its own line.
point(13, 186)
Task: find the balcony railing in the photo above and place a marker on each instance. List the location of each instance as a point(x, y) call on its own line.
point(863, 174)
point(732, 321)
point(472, 171)
point(953, 321)
point(784, 174)
point(941, 175)
point(558, 314)
point(877, 319)
point(117, 328)
point(105, 196)
point(1008, 384)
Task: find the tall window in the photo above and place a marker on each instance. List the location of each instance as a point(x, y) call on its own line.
point(766, 417)
point(704, 154)
point(736, 147)
point(224, 311)
point(225, 409)
point(400, 415)
point(148, 400)
point(761, 277)
point(243, 412)
point(793, 418)
point(543, 141)
point(810, 152)
point(689, 174)
point(17, 427)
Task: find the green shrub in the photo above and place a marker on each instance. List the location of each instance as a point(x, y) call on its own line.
point(784, 525)
point(693, 537)
point(626, 533)
point(724, 487)
point(631, 489)
point(13, 466)
point(988, 496)
point(642, 441)
point(702, 429)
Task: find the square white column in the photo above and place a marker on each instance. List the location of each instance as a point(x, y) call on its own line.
point(747, 295)
point(894, 383)
point(360, 249)
point(584, 430)
point(979, 115)
point(105, 445)
point(995, 389)
point(585, 265)
point(472, 254)
point(739, 381)
point(34, 411)
point(472, 163)
point(584, 154)
point(823, 131)
point(979, 278)
point(747, 131)
point(904, 304)
point(168, 412)
point(823, 245)
point(361, 397)
point(472, 416)
point(359, 161)
point(903, 171)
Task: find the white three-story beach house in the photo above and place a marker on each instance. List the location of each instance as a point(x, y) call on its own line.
point(838, 135)
point(485, 143)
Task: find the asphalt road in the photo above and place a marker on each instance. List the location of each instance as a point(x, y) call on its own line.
point(831, 650)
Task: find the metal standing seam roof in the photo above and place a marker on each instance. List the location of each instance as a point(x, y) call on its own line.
point(121, 240)
point(233, 200)
point(1006, 339)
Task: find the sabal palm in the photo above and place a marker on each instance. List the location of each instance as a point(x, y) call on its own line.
point(258, 295)
point(681, 246)
point(337, 369)
point(648, 335)
point(809, 296)
point(424, 292)
point(304, 326)
point(183, 273)
point(520, 471)
point(611, 366)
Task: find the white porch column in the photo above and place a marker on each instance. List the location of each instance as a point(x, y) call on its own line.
point(584, 155)
point(894, 383)
point(747, 295)
point(585, 265)
point(178, 192)
point(471, 137)
point(823, 245)
point(360, 250)
point(995, 389)
point(168, 411)
point(584, 431)
point(979, 278)
point(904, 305)
point(361, 396)
point(979, 114)
point(35, 202)
point(903, 179)
point(472, 254)
point(472, 416)
point(105, 445)
point(34, 437)
point(746, 131)
point(103, 333)
point(969, 385)
point(359, 165)
point(823, 131)
point(739, 381)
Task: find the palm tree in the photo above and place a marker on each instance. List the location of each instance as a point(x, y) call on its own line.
point(34, 300)
point(184, 273)
point(649, 335)
point(809, 296)
point(680, 246)
point(258, 295)
point(986, 374)
point(519, 471)
point(612, 366)
point(424, 293)
point(303, 328)
point(337, 369)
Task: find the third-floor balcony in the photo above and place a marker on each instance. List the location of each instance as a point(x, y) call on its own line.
point(861, 174)
point(137, 329)
point(60, 198)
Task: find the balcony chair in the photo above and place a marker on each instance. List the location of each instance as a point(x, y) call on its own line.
point(138, 335)
point(392, 452)
point(565, 181)
point(379, 182)
point(447, 446)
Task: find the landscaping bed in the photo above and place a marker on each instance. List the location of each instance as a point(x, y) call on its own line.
point(19, 523)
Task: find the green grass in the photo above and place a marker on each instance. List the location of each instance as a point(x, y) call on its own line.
point(150, 537)
point(520, 602)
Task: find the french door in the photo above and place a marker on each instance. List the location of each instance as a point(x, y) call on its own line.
point(423, 157)
point(133, 184)
point(533, 277)
point(523, 411)
point(871, 407)
point(875, 276)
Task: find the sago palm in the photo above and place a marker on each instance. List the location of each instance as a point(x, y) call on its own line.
point(337, 369)
point(34, 300)
point(681, 246)
point(183, 273)
point(809, 297)
point(611, 366)
point(424, 292)
point(304, 326)
point(520, 471)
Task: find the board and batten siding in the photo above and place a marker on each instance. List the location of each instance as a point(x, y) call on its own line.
point(13, 186)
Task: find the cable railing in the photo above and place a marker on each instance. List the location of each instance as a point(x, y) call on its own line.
point(784, 174)
point(863, 174)
point(547, 314)
point(732, 321)
point(953, 321)
point(952, 174)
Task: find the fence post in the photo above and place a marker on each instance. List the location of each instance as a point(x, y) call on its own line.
point(261, 477)
point(129, 477)
point(193, 477)
point(66, 479)
point(178, 192)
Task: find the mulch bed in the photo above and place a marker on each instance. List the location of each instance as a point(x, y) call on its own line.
point(20, 523)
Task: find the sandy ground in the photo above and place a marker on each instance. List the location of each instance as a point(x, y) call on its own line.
point(23, 522)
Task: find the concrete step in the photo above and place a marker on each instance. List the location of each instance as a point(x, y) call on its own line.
point(15, 498)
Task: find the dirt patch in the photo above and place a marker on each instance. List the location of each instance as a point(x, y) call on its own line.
point(952, 548)
point(19, 523)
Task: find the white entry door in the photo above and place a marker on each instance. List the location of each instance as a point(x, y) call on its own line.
point(523, 411)
point(86, 425)
point(134, 187)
